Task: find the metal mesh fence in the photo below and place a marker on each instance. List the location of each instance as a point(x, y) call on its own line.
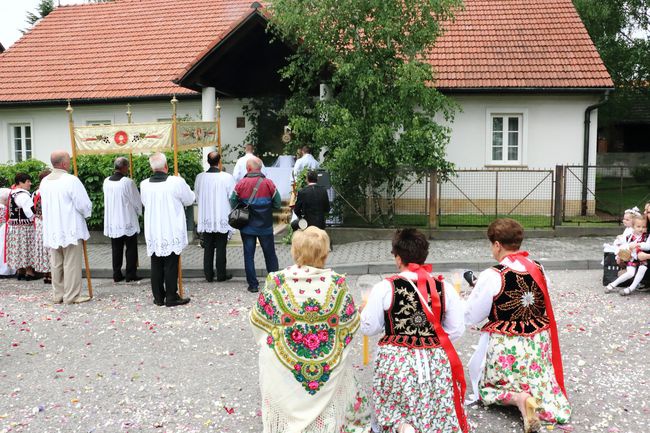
point(476, 197)
point(605, 194)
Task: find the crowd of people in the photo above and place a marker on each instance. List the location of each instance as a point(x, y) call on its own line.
point(632, 251)
point(305, 320)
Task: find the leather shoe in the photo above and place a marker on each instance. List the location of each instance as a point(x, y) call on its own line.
point(129, 280)
point(226, 278)
point(81, 299)
point(118, 280)
point(159, 303)
point(253, 289)
point(179, 301)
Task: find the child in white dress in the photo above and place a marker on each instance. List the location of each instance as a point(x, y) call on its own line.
point(635, 268)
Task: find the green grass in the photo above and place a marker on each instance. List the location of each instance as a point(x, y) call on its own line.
point(612, 198)
point(398, 221)
point(528, 221)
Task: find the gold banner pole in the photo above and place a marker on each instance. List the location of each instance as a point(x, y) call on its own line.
point(219, 135)
point(174, 101)
point(69, 109)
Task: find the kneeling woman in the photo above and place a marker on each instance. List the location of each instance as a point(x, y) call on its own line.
point(304, 321)
point(518, 360)
point(418, 383)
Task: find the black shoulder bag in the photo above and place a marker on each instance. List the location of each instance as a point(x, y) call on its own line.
point(239, 216)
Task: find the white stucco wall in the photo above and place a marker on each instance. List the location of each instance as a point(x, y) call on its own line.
point(50, 124)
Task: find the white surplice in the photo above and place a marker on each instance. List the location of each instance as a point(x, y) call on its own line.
point(122, 205)
point(240, 167)
point(305, 161)
point(213, 190)
point(165, 228)
point(477, 309)
point(66, 206)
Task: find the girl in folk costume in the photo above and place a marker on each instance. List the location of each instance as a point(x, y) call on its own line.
point(41, 254)
point(20, 228)
point(304, 321)
point(518, 360)
point(418, 383)
point(634, 243)
point(5, 271)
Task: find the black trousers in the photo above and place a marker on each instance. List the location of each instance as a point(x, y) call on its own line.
point(211, 242)
point(164, 278)
point(117, 247)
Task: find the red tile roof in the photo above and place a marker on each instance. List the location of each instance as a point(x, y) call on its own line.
point(135, 48)
point(518, 44)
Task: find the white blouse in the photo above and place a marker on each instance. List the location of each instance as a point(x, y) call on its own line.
point(66, 206)
point(381, 298)
point(213, 191)
point(165, 227)
point(122, 205)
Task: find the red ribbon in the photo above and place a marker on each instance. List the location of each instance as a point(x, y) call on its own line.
point(433, 314)
point(535, 272)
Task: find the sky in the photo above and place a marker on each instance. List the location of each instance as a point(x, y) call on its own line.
point(13, 14)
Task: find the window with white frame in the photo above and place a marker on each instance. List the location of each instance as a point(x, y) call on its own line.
point(21, 140)
point(506, 138)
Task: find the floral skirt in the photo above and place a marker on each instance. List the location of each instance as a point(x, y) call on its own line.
point(20, 244)
point(523, 364)
point(414, 386)
point(41, 254)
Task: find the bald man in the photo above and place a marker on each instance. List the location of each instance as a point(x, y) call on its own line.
point(261, 195)
point(66, 206)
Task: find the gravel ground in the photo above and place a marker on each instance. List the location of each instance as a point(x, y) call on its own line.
point(121, 364)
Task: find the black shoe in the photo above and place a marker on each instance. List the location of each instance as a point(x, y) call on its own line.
point(20, 276)
point(179, 301)
point(129, 280)
point(118, 280)
point(253, 289)
point(226, 278)
point(210, 280)
point(32, 277)
point(158, 303)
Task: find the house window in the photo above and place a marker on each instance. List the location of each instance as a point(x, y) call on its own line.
point(241, 122)
point(21, 138)
point(506, 138)
point(98, 122)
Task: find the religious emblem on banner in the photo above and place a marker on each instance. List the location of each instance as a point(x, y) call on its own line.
point(121, 138)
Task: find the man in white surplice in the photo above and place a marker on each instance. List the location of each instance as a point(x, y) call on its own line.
point(164, 198)
point(122, 205)
point(66, 206)
point(306, 161)
point(240, 167)
point(213, 189)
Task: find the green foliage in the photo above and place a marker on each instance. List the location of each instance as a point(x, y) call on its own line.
point(379, 112)
point(93, 169)
point(45, 7)
point(31, 166)
point(641, 174)
point(619, 29)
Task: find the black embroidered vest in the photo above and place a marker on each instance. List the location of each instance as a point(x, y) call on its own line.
point(519, 308)
point(406, 324)
point(16, 214)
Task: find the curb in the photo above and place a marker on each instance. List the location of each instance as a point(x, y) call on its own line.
point(380, 268)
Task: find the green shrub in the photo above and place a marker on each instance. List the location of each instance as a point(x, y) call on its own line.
point(31, 166)
point(641, 174)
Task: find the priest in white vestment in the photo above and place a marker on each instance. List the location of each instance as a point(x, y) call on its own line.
point(306, 161)
point(164, 198)
point(240, 167)
point(122, 205)
point(66, 206)
point(213, 189)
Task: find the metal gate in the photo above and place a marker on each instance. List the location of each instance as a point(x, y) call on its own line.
point(476, 197)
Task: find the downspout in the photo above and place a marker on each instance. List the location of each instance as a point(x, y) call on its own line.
point(585, 151)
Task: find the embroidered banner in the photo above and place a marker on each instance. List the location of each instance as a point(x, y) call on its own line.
point(196, 134)
point(136, 137)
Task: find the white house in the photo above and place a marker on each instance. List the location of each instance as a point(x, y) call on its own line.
point(525, 74)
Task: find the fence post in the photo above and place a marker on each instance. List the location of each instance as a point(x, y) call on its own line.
point(433, 199)
point(559, 196)
point(496, 194)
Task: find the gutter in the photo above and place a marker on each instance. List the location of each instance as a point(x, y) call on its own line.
point(585, 150)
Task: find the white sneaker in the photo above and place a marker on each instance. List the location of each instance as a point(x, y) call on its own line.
point(610, 289)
